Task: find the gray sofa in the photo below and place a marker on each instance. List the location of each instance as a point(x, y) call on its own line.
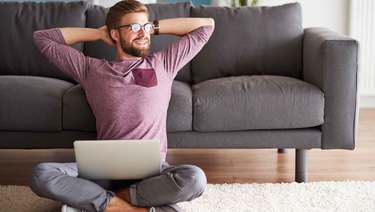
point(262, 81)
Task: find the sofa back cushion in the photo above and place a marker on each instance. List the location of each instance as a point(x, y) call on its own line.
point(96, 17)
point(19, 55)
point(250, 41)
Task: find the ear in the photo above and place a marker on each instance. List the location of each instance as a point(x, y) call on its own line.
point(114, 35)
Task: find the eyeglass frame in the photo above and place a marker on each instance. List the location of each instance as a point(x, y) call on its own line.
point(142, 26)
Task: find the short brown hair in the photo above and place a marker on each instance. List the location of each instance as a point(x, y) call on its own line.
point(121, 8)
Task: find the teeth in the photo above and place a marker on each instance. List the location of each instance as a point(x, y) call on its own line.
point(141, 41)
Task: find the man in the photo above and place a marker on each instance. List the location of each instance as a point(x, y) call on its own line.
point(129, 98)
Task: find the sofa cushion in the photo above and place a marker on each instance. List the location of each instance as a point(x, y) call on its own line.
point(31, 103)
point(77, 114)
point(256, 102)
point(180, 112)
point(96, 16)
point(98, 49)
point(18, 54)
point(251, 40)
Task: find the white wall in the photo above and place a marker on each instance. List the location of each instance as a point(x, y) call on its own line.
point(333, 14)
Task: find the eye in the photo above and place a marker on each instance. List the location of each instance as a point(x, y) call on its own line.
point(147, 27)
point(135, 27)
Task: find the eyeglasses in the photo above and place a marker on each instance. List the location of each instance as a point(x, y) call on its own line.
point(136, 27)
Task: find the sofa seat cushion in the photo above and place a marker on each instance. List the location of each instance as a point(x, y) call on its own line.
point(180, 111)
point(31, 103)
point(77, 113)
point(256, 102)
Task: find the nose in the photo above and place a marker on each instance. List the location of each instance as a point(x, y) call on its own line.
point(142, 32)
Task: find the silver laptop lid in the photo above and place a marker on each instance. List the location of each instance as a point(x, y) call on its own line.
point(117, 159)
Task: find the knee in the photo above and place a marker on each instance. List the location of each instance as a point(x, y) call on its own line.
point(194, 181)
point(37, 179)
point(199, 180)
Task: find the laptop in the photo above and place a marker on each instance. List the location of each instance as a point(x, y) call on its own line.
point(117, 159)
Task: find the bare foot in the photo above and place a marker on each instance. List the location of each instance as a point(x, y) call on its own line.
point(119, 205)
point(124, 194)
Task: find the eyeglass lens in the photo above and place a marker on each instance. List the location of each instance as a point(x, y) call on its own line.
point(136, 27)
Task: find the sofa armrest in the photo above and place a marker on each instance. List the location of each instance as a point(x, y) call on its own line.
point(330, 61)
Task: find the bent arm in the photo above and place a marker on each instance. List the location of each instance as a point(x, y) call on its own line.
point(51, 44)
point(182, 26)
point(179, 53)
point(55, 43)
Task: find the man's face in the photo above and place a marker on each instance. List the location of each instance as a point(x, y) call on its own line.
point(134, 43)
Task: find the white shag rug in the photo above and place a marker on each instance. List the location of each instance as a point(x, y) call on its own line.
point(346, 196)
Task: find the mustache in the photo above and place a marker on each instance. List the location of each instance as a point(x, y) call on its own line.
point(147, 39)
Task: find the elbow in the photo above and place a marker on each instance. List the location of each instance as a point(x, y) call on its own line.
point(210, 21)
point(36, 35)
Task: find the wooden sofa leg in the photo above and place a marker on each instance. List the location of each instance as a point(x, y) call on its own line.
point(301, 166)
point(281, 151)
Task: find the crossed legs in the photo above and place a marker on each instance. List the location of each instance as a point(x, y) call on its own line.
point(60, 182)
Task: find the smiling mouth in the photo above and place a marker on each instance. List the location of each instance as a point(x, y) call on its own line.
point(141, 41)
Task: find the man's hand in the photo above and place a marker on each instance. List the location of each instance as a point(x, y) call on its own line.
point(105, 37)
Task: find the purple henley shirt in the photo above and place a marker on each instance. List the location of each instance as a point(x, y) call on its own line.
point(129, 98)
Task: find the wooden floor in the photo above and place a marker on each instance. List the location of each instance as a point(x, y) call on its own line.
point(235, 166)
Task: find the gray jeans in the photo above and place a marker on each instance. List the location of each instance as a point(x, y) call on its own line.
point(60, 182)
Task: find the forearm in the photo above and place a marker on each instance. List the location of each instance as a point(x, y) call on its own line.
point(74, 35)
point(182, 26)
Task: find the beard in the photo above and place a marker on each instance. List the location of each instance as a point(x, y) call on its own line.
point(134, 51)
